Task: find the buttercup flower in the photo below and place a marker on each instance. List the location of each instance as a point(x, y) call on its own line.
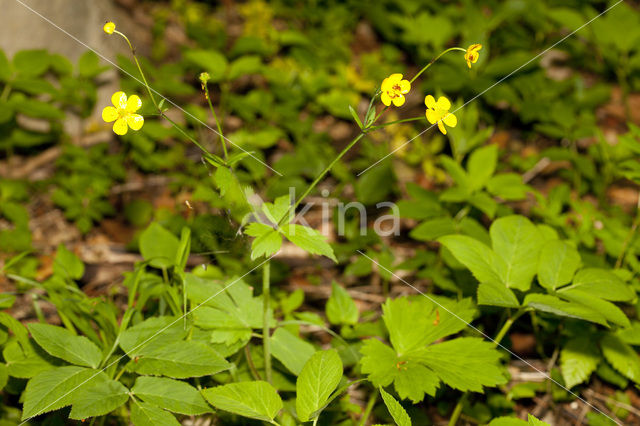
point(439, 112)
point(109, 27)
point(123, 113)
point(472, 55)
point(393, 90)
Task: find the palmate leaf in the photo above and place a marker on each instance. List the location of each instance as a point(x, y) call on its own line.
point(416, 366)
point(267, 240)
point(317, 380)
point(256, 400)
point(578, 359)
point(309, 240)
point(170, 394)
point(62, 343)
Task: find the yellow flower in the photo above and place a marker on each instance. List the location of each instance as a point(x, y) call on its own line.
point(393, 90)
point(123, 113)
point(439, 112)
point(471, 55)
point(109, 27)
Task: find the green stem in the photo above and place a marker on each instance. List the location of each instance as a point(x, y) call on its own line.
point(435, 59)
point(186, 135)
point(395, 122)
point(5, 92)
point(213, 112)
point(266, 331)
point(367, 411)
point(320, 176)
point(457, 410)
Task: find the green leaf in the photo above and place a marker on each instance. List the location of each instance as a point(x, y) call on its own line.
point(180, 360)
point(554, 305)
point(557, 264)
point(38, 109)
point(340, 308)
point(507, 421)
point(170, 394)
point(496, 294)
point(433, 229)
point(257, 400)
point(398, 413)
point(208, 60)
point(481, 165)
point(67, 264)
point(99, 400)
point(159, 246)
point(292, 351)
point(465, 363)
point(607, 309)
point(317, 380)
point(621, 356)
point(476, 256)
point(535, 422)
point(578, 359)
point(267, 240)
point(145, 414)
point(309, 240)
point(517, 242)
point(31, 63)
point(57, 388)
point(602, 283)
point(62, 343)
point(354, 114)
point(244, 65)
point(153, 333)
point(5, 67)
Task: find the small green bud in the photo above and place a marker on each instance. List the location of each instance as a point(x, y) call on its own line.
point(204, 77)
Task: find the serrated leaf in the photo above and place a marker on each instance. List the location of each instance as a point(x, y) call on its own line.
point(621, 356)
point(554, 305)
point(292, 351)
point(476, 256)
point(180, 360)
point(170, 394)
point(57, 388)
point(267, 240)
point(317, 380)
point(557, 264)
point(465, 363)
point(99, 400)
point(496, 294)
point(398, 413)
point(145, 414)
point(256, 400)
point(602, 283)
point(607, 309)
point(517, 242)
point(578, 359)
point(340, 308)
point(309, 240)
point(152, 333)
point(62, 343)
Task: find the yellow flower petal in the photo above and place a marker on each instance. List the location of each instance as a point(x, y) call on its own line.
point(133, 103)
point(443, 103)
point(386, 85)
point(450, 120)
point(395, 78)
point(120, 127)
point(135, 121)
point(109, 114)
point(431, 116)
point(442, 128)
point(385, 98)
point(405, 86)
point(430, 101)
point(119, 100)
point(398, 100)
